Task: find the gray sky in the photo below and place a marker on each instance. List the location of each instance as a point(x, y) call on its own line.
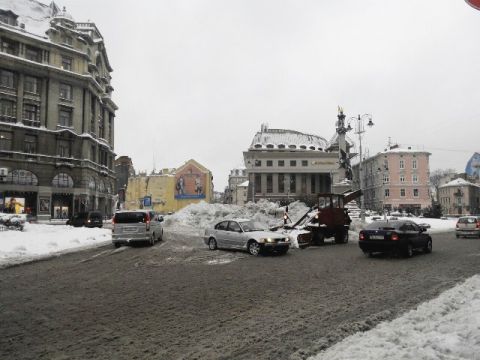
point(196, 78)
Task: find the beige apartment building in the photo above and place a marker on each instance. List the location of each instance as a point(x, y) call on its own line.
point(396, 179)
point(57, 116)
point(459, 197)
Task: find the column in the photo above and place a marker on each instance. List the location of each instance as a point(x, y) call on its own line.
point(19, 115)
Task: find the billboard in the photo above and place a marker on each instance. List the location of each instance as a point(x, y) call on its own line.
point(190, 183)
point(14, 205)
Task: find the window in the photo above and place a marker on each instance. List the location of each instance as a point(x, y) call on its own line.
point(30, 144)
point(281, 163)
point(293, 162)
point(281, 146)
point(269, 163)
point(67, 63)
point(312, 183)
point(281, 183)
point(415, 178)
point(7, 110)
point(93, 153)
point(414, 164)
point(304, 162)
point(8, 19)
point(258, 183)
point(402, 164)
point(65, 117)
point(258, 163)
point(22, 177)
point(269, 183)
point(5, 140)
point(402, 192)
point(387, 192)
point(9, 46)
point(233, 226)
point(33, 53)
point(65, 91)
point(63, 148)
point(101, 127)
point(32, 85)
point(386, 179)
point(31, 115)
point(293, 184)
point(385, 164)
point(7, 79)
point(62, 180)
point(402, 178)
point(415, 192)
point(67, 40)
point(303, 183)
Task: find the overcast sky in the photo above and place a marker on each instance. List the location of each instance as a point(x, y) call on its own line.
point(197, 78)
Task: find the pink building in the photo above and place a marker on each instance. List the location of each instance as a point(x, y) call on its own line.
point(396, 179)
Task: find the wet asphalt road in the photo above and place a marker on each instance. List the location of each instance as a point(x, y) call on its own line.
point(176, 301)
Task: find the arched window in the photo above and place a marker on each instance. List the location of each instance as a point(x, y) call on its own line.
point(281, 146)
point(311, 147)
point(303, 147)
point(292, 146)
point(62, 180)
point(258, 146)
point(108, 188)
point(91, 184)
point(22, 177)
point(101, 186)
point(269, 146)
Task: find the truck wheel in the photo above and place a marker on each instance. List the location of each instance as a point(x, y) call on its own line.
point(318, 238)
point(341, 237)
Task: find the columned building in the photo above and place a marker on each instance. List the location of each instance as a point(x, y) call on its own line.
point(56, 113)
point(395, 179)
point(286, 165)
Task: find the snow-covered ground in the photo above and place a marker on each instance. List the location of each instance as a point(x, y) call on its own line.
point(447, 327)
point(444, 328)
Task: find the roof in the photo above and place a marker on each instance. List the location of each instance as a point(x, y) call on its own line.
point(35, 15)
point(459, 182)
point(244, 184)
point(287, 140)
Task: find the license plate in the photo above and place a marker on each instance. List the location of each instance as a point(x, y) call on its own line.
point(129, 230)
point(377, 237)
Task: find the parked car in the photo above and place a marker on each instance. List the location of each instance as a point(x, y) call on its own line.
point(468, 226)
point(400, 236)
point(88, 219)
point(244, 234)
point(132, 226)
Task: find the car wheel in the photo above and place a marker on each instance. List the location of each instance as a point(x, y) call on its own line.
point(152, 239)
point(161, 236)
point(212, 244)
point(409, 250)
point(254, 248)
point(428, 246)
point(117, 245)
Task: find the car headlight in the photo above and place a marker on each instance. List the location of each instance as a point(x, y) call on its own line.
point(269, 240)
point(286, 239)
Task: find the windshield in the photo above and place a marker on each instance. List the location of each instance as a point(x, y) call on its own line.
point(252, 226)
point(383, 225)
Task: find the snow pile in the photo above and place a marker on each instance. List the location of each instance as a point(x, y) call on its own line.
point(195, 218)
point(37, 241)
point(444, 328)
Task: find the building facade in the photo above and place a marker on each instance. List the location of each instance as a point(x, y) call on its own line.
point(123, 171)
point(171, 189)
point(286, 165)
point(236, 177)
point(396, 179)
point(459, 197)
point(56, 112)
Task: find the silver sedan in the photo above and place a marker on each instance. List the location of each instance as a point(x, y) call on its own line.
point(244, 234)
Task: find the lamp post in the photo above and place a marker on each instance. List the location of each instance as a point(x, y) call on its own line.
point(359, 130)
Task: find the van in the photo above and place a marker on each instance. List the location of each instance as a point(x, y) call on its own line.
point(133, 226)
point(88, 219)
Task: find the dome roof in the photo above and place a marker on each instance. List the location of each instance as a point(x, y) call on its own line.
point(63, 14)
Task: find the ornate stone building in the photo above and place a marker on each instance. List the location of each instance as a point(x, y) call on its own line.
point(56, 112)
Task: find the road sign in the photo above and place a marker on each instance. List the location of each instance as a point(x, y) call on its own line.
point(474, 3)
point(147, 201)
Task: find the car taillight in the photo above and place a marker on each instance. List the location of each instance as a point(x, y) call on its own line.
point(394, 237)
point(147, 222)
point(361, 236)
point(478, 224)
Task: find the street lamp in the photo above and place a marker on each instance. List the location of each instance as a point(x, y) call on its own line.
point(359, 130)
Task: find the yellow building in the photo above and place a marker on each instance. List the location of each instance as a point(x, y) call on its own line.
point(171, 189)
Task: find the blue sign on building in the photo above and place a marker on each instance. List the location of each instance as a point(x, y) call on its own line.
point(147, 201)
point(473, 165)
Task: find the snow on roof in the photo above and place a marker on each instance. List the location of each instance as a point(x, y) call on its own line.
point(244, 184)
point(288, 139)
point(459, 182)
point(402, 150)
point(35, 15)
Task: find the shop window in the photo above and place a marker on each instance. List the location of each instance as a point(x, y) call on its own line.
point(62, 180)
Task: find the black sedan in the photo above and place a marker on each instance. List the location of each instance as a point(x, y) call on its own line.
point(399, 236)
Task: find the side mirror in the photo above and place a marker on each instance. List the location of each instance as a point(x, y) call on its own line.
point(422, 229)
